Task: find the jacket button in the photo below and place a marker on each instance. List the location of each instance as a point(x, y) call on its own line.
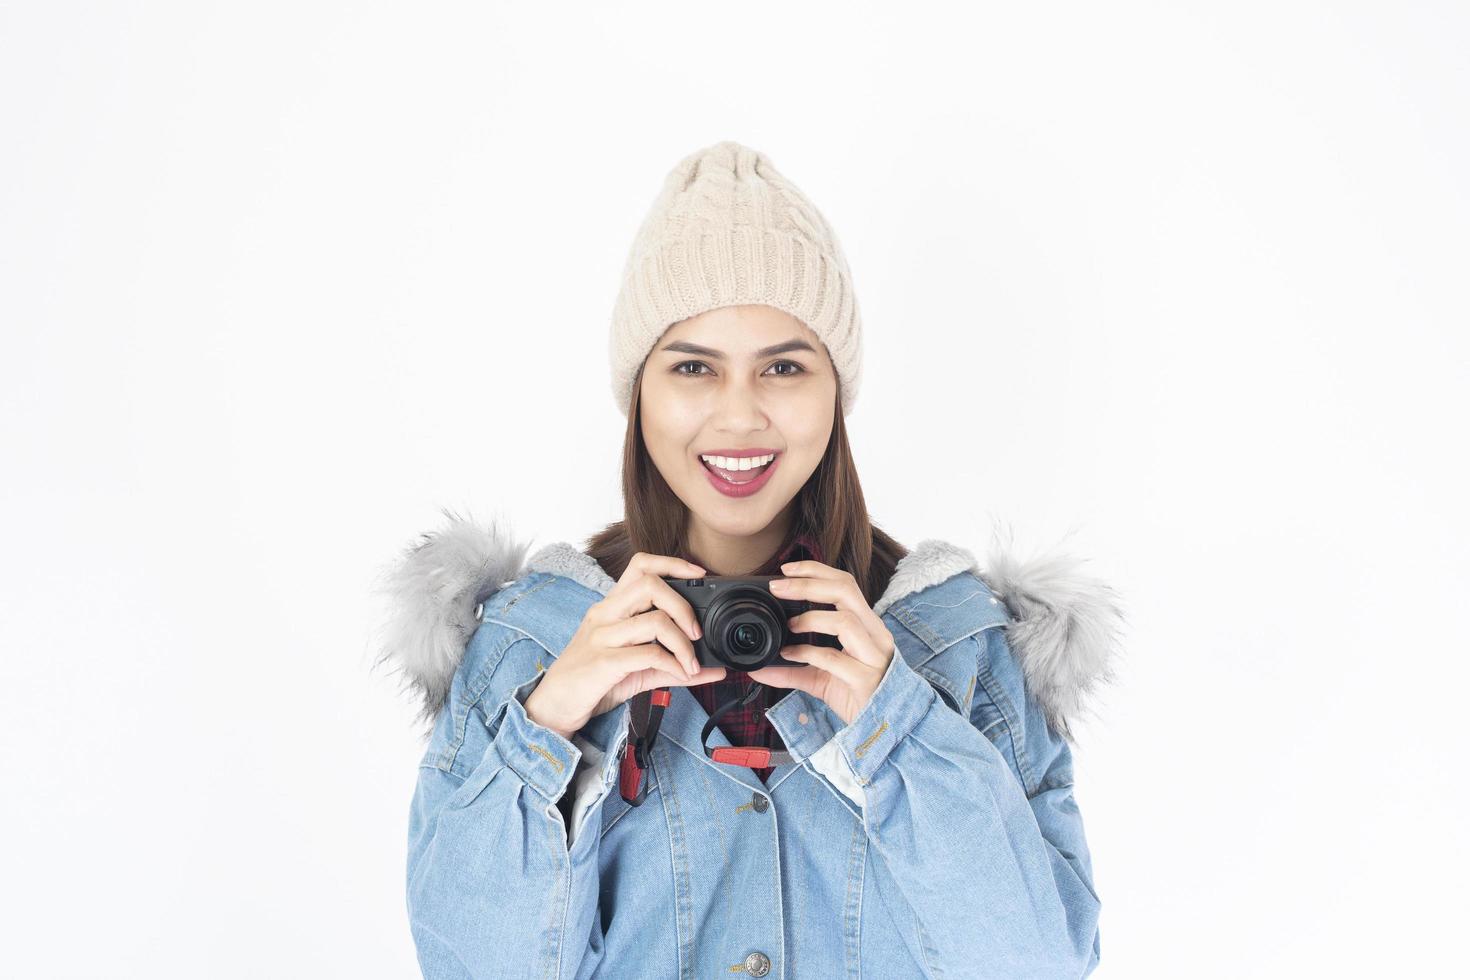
point(757, 964)
point(761, 804)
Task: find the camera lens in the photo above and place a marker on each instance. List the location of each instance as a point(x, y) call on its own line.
point(747, 638)
point(744, 626)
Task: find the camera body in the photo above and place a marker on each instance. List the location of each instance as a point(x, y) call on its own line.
point(744, 623)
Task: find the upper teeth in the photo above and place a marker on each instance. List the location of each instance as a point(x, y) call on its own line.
point(743, 463)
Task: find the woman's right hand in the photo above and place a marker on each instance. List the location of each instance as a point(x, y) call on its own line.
point(616, 651)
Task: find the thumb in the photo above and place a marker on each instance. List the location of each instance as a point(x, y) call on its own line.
point(797, 678)
point(656, 677)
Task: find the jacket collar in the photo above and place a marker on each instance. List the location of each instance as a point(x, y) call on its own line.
point(1062, 624)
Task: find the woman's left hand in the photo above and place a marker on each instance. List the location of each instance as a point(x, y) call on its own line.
point(845, 679)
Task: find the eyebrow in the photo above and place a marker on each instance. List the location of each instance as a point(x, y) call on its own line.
point(685, 347)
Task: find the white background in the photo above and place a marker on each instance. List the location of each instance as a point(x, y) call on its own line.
point(1180, 291)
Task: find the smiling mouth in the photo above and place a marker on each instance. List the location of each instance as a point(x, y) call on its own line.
point(737, 476)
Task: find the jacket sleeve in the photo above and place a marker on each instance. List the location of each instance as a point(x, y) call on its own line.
point(972, 814)
point(495, 888)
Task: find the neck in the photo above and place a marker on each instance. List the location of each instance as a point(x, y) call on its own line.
point(737, 554)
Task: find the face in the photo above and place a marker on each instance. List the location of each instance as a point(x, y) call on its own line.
point(737, 381)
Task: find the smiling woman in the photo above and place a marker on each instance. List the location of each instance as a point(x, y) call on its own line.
point(765, 391)
point(579, 813)
point(763, 387)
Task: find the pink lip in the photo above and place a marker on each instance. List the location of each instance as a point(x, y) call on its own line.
point(740, 489)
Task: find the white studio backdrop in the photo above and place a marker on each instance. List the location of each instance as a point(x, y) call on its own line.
point(1178, 288)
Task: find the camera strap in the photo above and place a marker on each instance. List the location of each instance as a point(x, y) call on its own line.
point(751, 756)
point(646, 713)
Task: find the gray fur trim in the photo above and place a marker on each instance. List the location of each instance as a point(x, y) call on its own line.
point(1066, 629)
point(1064, 633)
point(433, 592)
point(569, 561)
point(929, 562)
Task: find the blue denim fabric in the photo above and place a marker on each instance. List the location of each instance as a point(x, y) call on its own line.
point(935, 836)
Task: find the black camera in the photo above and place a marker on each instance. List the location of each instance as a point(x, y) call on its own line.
point(744, 623)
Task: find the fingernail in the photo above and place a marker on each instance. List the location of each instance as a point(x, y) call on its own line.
point(778, 583)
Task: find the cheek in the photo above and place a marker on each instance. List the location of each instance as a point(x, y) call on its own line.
point(807, 432)
point(665, 427)
point(660, 396)
point(658, 440)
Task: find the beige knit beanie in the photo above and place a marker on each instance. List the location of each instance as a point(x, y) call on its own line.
point(728, 229)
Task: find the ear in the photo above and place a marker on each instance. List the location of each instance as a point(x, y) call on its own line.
point(432, 592)
point(1066, 636)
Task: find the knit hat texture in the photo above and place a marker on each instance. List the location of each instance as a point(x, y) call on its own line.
point(728, 229)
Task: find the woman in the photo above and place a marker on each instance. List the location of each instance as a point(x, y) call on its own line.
point(904, 808)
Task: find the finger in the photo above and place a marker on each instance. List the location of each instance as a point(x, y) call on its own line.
point(654, 625)
point(652, 677)
point(843, 592)
point(705, 675)
point(856, 641)
point(795, 678)
point(813, 569)
point(644, 563)
point(625, 660)
point(652, 592)
point(845, 596)
point(846, 669)
point(663, 595)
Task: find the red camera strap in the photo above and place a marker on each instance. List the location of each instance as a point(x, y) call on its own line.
point(645, 714)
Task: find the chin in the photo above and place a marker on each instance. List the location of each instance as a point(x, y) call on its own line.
point(737, 518)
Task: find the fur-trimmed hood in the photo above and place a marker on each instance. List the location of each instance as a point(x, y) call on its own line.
point(1065, 625)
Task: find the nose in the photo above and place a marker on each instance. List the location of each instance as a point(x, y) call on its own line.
point(739, 409)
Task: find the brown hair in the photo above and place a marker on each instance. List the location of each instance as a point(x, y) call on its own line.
point(829, 510)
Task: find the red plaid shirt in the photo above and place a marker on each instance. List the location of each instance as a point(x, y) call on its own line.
point(748, 726)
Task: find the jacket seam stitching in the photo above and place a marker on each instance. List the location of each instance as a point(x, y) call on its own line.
point(859, 842)
point(1008, 712)
point(672, 813)
point(926, 948)
point(556, 937)
point(525, 592)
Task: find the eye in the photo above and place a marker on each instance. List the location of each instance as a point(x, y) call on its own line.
point(698, 368)
point(796, 369)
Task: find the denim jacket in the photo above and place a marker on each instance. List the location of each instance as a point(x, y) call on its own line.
point(937, 835)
